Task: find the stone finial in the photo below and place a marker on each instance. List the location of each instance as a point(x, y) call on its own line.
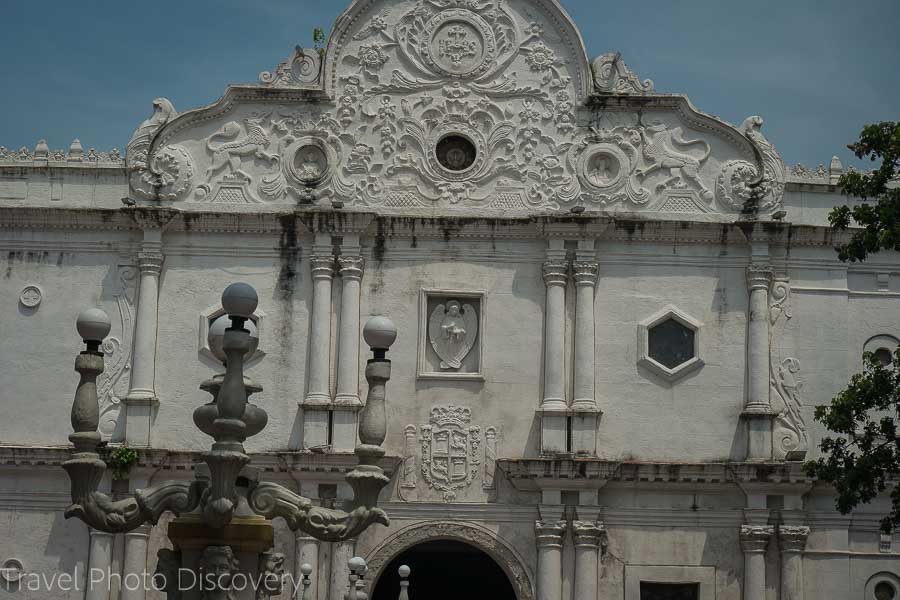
point(76, 151)
point(41, 150)
point(835, 170)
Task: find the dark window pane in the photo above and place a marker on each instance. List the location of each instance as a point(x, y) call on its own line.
point(670, 591)
point(884, 356)
point(671, 343)
point(883, 591)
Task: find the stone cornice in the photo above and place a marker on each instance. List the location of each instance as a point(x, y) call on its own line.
point(577, 473)
point(336, 464)
point(304, 222)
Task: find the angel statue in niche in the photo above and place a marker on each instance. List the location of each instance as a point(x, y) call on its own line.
point(452, 330)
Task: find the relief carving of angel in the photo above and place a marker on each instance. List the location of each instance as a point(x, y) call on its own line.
point(452, 330)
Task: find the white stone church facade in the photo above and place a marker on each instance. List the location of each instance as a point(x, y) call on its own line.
point(616, 314)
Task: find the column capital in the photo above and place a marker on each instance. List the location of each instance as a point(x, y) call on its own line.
point(351, 267)
point(755, 538)
point(585, 272)
point(555, 271)
point(322, 266)
point(759, 276)
point(549, 533)
point(792, 538)
point(588, 534)
point(150, 262)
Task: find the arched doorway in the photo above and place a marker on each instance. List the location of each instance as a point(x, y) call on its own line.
point(446, 570)
point(471, 542)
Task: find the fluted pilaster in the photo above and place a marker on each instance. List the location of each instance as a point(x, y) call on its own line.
point(548, 537)
point(754, 542)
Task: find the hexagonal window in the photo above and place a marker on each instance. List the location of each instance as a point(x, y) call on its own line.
point(670, 343)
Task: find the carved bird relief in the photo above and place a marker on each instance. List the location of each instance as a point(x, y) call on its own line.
point(452, 330)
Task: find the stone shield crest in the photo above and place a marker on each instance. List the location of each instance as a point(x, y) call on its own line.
point(450, 450)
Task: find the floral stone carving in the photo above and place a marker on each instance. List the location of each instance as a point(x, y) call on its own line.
point(789, 431)
point(164, 173)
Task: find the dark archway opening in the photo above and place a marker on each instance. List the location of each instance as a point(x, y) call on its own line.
point(445, 570)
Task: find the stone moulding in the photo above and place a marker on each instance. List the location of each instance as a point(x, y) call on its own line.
point(470, 298)
point(474, 535)
point(529, 473)
point(327, 465)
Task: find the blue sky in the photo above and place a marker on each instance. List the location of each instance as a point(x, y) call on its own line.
point(815, 70)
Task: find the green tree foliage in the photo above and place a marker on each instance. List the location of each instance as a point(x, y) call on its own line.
point(878, 215)
point(864, 457)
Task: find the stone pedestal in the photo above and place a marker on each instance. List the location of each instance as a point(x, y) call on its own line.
point(200, 547)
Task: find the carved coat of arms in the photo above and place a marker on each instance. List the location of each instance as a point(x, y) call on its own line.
point(450, 450)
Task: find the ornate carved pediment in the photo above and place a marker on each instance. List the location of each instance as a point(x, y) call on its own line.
point(476, 107)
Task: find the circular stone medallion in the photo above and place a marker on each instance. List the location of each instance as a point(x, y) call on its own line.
point(310, 163)
point(31, 296)
point(455, 152)
point(12, 570)
point(458, 42)
point(603, 167)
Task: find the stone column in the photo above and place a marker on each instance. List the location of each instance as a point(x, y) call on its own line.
point(555, 278)
point(339, 580)
point(134, 564)
point(792, 541)
point(306, 550)
point(585, 275)
point(99, 561)
point(142, 398)
point(588, 536)
point(548, 537)
point(318, 395)
point(554, 408)
point(351, 271)
point(347, 402)
point(757, 410)
point(754, 541)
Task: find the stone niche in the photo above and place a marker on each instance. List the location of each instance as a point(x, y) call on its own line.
point(451, 325)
